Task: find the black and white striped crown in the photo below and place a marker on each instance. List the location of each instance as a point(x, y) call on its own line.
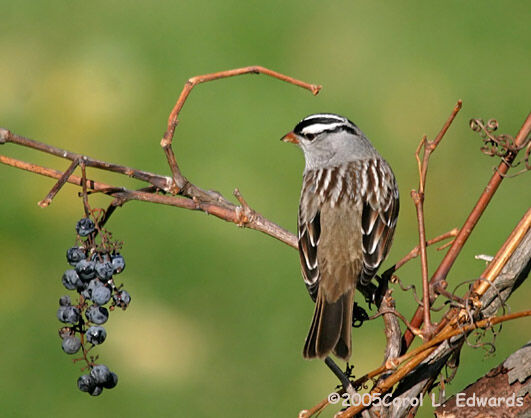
point(318, 123)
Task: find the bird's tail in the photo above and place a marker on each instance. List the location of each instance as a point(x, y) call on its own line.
point(331, 328)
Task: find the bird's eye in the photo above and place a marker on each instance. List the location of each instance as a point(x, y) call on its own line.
point(310, 137)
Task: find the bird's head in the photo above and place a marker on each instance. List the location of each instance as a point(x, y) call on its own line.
point(328, 139)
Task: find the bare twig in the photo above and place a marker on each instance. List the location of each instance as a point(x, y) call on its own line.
point(230, 214)
point(418, 199)
point(493, 269)
point(427, 147)
point(60, 183)
point(416, 251)
point(163, 182)
point(418, 355)
point(411, 359)
point(444, 267)
point(180, 182)
point(194, 198)
point(84, 187)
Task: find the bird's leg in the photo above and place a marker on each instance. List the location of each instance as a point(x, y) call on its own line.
point(345, 382)
point(368, 291)
point(383, 285)
point(374, 294)
point(359, 316)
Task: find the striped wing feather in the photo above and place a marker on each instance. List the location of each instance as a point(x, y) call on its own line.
point(309, 233)
point(379, 215)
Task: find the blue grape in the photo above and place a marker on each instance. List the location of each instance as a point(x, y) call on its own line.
point(74, 255)
point(68, 314)
point(86, 383)
point(118, 263)
point(71, 280)
point(96, 335)
point(92, 286)
point(100, 374)
point(96, 391)
point(71, 345)
point(85, 227)
point(85, 270)
point(104, 270)
point(111, 382)
point(101, 295)
point(97, 314)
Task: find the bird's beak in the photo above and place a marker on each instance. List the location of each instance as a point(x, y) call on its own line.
point(290, 137)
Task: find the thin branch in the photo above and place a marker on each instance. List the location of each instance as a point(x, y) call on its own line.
point(163, 182)
point(427, 147)
point(60, 183)
point(258, 223)
point(415, 357)
point(193, 197)
point(416, 251)
point(398, 315)
point(486, 279)
point(503, 255)
point(180, 182)
point(418, 199)
point(446, 264)
point(412, 359)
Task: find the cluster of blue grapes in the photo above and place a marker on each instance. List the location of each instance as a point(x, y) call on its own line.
point(95, 260)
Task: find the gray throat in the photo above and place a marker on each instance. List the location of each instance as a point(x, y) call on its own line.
point(337, 149)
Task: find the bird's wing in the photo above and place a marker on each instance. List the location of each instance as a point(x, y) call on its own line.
point(380, 201)
point(309, 231)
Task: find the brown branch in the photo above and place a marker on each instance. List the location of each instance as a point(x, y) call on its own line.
point(394, 312)
point(410, 360)
point(60, 183)
point(418, 199)
point(193, 197)
point(503, 255)
point(427, 147)
point(486, 279)
point(258, 223)
point(438, 278)
point(162, 182)
point(415, 357)
point(180, 182)
point(460, 318)
point(416, 251)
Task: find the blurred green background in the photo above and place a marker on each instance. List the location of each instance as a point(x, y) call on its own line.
point(219, 314)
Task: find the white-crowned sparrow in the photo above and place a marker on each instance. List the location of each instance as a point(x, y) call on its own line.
point(347, 216)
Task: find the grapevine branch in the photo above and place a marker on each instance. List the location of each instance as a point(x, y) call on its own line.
point(180, 183)
point(438, 278)
point(427, 147)
point(164, 188)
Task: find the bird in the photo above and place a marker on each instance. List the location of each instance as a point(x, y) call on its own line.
point(347, 216)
